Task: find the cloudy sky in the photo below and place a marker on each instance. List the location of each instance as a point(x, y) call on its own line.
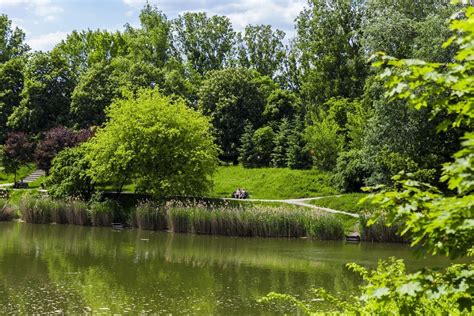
point(46, 22)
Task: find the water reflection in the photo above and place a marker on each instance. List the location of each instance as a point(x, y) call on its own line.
point(73, 269)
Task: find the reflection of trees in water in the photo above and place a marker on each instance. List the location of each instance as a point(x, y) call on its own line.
point(98, 268)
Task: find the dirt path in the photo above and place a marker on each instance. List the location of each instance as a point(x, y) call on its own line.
point(299, 202)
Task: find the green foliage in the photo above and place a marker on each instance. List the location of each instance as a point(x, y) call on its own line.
point(264, 143)
point(12, 41)
point(204, 43)
point(232, 98)
point(328, 42)
point(247, 148)
point(280, 151)
point(68, 174)
point(155, 142)
point(11, 85)
point(49, 83)
point(262, 49)
point(92, 95)
point(272, 183)
point(281, 104)
point(324, 142)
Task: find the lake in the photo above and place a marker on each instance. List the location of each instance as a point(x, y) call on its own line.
point(75, 269)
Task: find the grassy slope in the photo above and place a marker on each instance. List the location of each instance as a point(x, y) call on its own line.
point(271, 183)
point(345, 202)
point(22, 173)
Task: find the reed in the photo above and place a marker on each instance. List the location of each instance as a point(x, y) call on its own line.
point(37, 210)
point(254, 221)
point(379, 231)
point(6, 213)
point(102, 213)
point(150, 215)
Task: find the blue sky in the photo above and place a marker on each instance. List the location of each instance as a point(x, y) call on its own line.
point(46, 22)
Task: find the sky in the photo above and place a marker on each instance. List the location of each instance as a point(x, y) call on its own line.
point(47, 22)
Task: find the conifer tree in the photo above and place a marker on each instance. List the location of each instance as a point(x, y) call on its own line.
point(247, 149)
point(279, 154)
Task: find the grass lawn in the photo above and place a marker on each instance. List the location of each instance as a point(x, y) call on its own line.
point(271, 183)
point(22, 173)
point(345, 202)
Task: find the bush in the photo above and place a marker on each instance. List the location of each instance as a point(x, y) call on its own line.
point(35, 209)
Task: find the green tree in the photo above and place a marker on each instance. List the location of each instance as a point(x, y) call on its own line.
point(247, 147)
point(280, 151)
point(281, 104)
point(261, 48)
point(12, 41)
point(297, 156)
point(232, 97)
point(11, 85)
point(92, 95)
point(152, 42)
point(324, 142)
point(264, 143)
point(155, 142)
point(204, 43)
point(329, 51)
point(68, 175)
point(46, 96)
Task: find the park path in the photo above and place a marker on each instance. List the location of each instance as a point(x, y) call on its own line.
point(28, 179)
point(299, 202)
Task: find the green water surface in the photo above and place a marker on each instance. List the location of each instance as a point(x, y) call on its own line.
point(74, 269)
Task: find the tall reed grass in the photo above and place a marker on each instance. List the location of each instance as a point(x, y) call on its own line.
point(379, 231)
point(150, 215)
point(188, 217)
point(6, 213)
point(253, 221)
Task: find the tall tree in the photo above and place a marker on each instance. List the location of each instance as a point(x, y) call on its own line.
point(12, 41)
point(261, 48)
point(204, 43)
point(46, 96)
point(232, 97)
point(329, 47)
point(151, 42)
point(11, 85)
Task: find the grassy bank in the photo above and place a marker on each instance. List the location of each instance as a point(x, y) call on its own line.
point(346, 202)
point(271, 183)
point(198, 218)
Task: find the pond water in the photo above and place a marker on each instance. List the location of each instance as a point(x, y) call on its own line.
point(73, 269)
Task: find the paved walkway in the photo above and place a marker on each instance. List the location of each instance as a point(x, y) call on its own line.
point(299, 202)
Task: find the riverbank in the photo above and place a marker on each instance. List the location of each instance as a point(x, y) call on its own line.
point(199, 216)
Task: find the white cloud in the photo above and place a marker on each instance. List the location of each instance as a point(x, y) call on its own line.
point(135, 3)
point(46, 41)
point(45, 9)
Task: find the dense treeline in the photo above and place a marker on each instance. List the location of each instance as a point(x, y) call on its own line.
point(302, 102)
